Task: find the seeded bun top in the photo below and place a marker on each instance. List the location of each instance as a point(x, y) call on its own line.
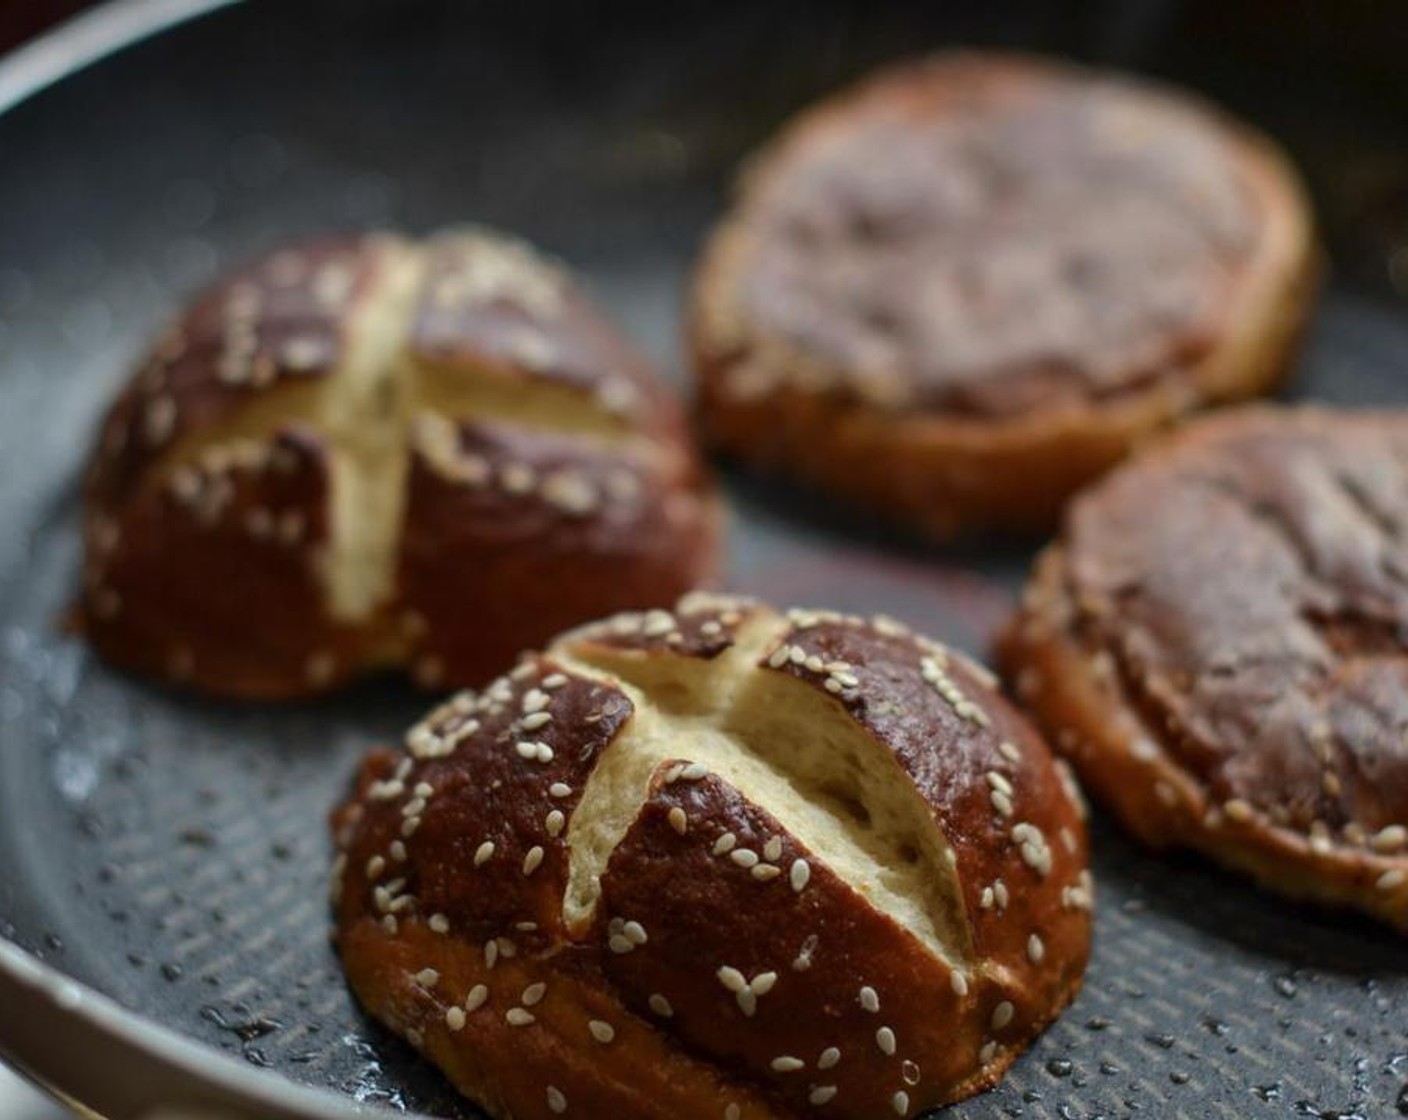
point(718, 862)
point(367, 451)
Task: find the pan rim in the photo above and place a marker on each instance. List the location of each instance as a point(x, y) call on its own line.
point(35, 991)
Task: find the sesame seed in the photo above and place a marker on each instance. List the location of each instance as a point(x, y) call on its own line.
point(910, 1072)
point(657, 624)
point(731, 978)
point(375, 866)
point(159, 420)
point(744, 857)
point(661, 1006)
point(900, 1103)
point(518, 1017)
point(534, 700)
point(747, 1002)
point(1009, 751)
point(569, 492)
point(532, 859)
point(959, 982)
point(1036, 949)
point(389, 924)
point(772, 850)
point(620, 943)
point(693, 772)
point(988, 1052)
point(763, 983)
point(725, 843)
point(553, 822)
point(779, 656)
point(1002, 1015)
point(1237, 810)
point(765, 871)
point(439, 923)
point(679, 821)
point(1392, 879)
point(999, 890)
point(518, 478)
point(484, 853)
point(535, 720)
point(398, 850)
point(553, 681)
point(800, 875)
point(829, 1057)
point(869, 999)
point(1001, 802)
point(427, 978)
point(455, 1018)
point(602, 1031)
point(635, 932)
point(1390, 839)
point(559, 789)
point(822, 1094)
point(556, 1101)
point(999, 782)
point(1145, 750)
point(533, 993)
point(785, 1063)
point(478, 996)
point(491, 953)
point(885, 1040)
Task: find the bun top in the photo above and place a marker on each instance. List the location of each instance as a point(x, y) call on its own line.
point(1248, 582)
point(769, 837)
point(327, 425)
point(990, 235)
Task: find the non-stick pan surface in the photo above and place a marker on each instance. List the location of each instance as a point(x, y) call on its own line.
point(171, 853)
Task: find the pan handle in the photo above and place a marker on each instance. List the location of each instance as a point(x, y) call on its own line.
point(106, 1063)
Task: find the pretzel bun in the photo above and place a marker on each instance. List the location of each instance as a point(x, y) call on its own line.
point(959, 291)
point(719, 862)
point(366, 452)
point(1217, 642)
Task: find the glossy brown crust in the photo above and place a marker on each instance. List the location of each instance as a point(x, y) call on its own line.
point(791, 378)
point(1217, 644)
point(536, 566)
point(648, 1009)
point(209, 501)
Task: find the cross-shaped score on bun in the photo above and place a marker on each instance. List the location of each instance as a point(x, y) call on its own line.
point(719, 861)
point(370, 451)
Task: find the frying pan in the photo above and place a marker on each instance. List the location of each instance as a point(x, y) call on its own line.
point(163, 932)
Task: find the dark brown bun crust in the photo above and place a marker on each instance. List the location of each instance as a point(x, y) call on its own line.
point(1217, 643)
point(367, 452)
point(959, 291)
point(718, 862)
